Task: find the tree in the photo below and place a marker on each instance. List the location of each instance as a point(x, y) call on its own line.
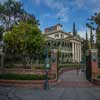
point(11, 12)
point(74, 30)
point(1, 32)
point(86, 42)
point(91, 34)
point(24, 39)
point(22, 35)
point(98, 37)
point(95, 25)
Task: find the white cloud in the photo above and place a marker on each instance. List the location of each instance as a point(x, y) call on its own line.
point(95, 6)
point(82, 33)
point(79, 3)
point(62, 7)
point(2, 1)
point(37, 1)
point(92, 6)
point(63, 14)
point(54, 4)
point(61, 10)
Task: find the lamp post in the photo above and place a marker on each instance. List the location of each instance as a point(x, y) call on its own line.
point(47, 66)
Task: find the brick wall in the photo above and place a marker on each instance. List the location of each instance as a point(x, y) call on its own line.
point(23, 71)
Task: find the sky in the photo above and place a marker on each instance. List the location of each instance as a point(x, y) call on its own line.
point(70, 11)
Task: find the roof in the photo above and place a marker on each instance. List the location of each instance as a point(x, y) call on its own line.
point(49, 33)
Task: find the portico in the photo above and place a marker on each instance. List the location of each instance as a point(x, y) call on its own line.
point(69, 45)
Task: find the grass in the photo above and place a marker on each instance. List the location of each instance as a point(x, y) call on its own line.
point(70, 65)
point(21, 77)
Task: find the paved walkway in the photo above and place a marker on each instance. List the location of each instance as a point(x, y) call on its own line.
point(74, 75)
point(55, 93)
point(12, 93)
point(73, 79)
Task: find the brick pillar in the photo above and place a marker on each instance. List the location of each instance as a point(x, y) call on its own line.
point(94, 62)
point(54, 63)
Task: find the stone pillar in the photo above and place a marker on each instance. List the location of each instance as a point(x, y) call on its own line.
point(54, 69)
point(94, 62)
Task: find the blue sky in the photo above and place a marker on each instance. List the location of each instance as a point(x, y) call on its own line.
point(48, 11)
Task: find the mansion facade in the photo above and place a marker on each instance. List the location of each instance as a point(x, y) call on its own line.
point(70, 46)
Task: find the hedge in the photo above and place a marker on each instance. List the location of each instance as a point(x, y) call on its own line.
point(21, 77)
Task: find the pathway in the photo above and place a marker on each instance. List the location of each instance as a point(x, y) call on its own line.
point(70, 93)
point(73, 79)
point(68, 88)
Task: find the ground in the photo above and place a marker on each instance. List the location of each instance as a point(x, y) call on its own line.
point(71, 85)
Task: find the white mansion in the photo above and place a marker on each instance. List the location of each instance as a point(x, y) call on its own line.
point(69, 45)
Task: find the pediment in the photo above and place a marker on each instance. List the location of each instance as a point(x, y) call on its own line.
point(58, 35)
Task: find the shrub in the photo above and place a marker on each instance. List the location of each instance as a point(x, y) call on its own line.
point(99, 76)
point(21, 77)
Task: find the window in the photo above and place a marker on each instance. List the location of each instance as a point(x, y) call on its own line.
point(62, 35)
point(56, 35)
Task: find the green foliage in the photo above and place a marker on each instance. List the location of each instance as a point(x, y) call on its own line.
point(24, 39)
point(85, 45)
point(21, 77)
point(1, 32)
point(22, 35)
point(98, 37)
point(10, 12)
point(74, 30)
point(76, 65)
point(91, 34)
point(95, 25)
point(99, 76)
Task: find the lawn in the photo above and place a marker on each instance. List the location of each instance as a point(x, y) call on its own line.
point(71, 65)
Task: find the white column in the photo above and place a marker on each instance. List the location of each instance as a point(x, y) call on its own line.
point(73, 51)
point(77, 52)
point(80, 53)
